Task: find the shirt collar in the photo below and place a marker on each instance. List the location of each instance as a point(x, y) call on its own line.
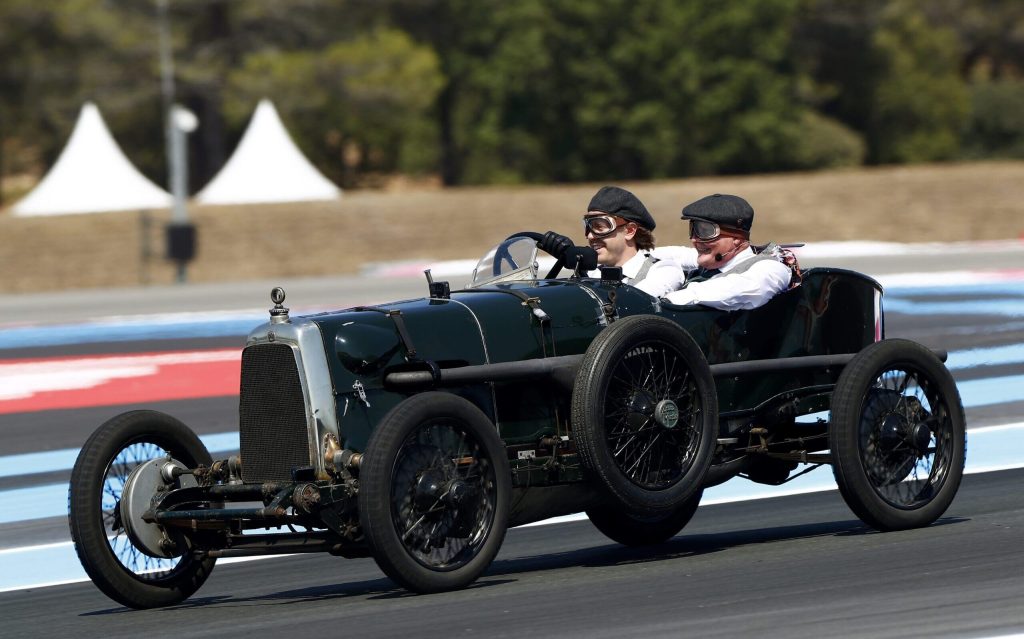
point(632, 266)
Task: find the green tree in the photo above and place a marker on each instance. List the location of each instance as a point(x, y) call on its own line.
point(58, 55)
point(888, 71)
point(618, 89)
point(920, 102)
point(990, 32)
point(368, 97)
point(996, 127)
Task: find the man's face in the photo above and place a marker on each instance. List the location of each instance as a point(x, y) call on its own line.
point(710, 240)
point(707, 249)
point(613, 248)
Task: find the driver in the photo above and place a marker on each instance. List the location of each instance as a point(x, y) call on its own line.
point(722, 270)
point(619, 228)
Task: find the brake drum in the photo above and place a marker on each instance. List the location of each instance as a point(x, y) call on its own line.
point(142, 485)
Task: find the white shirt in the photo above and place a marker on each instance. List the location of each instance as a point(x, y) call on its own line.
point(746, 290)
point(664, 276)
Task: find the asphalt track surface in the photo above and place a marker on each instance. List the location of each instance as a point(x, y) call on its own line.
point(795, 566)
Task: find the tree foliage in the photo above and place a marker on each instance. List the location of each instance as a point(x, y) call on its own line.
point(485, 91)
point(920, 101)
point(366, 99)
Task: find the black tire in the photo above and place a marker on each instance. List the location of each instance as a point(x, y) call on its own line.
point(120, 569)
point(638, 529)
point(897, 435)
point(434, 491)
point(634, 375)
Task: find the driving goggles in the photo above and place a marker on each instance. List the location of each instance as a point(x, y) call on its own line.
point(601, 225)
point(704, 230)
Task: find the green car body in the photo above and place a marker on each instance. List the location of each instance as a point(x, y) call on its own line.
point(418, 431)
point(832, 312)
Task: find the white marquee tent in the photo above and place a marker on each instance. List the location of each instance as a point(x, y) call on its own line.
point(267, 167)
point(92, 174)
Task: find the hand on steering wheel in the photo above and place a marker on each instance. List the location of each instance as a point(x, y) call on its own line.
point(555, 244)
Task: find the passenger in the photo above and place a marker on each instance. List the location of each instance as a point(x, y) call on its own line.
point(619, 228)
point(722, 270)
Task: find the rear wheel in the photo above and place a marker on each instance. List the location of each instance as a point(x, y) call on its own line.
point(640, 529)
point(131, 572)
point(434, 491)
point(897, 435)
point(645, 413)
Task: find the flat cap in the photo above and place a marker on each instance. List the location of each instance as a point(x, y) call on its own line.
point(615, 201)
point(724, 210)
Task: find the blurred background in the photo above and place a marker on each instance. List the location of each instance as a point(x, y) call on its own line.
point(431, 111)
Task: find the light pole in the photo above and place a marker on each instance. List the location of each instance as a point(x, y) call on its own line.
point(178, 123)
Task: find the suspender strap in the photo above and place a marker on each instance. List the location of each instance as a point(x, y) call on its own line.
point(702, 274)
point(642, 273)
point(744, 266)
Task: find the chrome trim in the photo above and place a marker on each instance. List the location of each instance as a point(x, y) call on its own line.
point(307, 344)
point(483, 342)
point(879, 317)
point(487, 360)
point(601, 319)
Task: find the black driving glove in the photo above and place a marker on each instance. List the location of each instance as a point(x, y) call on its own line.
point(555, 244)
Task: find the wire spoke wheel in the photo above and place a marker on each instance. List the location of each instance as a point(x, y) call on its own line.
point(434, 492)
point(652, 450)
point(145, 567)
point(645, 413)
point(119, 566)
point(898, 435)
point(443, 495)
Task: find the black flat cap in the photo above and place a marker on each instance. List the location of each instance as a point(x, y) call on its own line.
point(615, 201)
point(724, 210)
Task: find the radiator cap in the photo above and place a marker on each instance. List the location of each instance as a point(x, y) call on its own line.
point(278, 314)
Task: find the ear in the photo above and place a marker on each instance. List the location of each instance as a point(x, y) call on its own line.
point(631, 228)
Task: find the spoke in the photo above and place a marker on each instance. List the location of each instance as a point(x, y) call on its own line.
point(644, 452)
point(618, 435)
point(648, 425)
point(458, 456)
point(413, 527)
point(665, 375)
point(906, 382)
point(649, 371)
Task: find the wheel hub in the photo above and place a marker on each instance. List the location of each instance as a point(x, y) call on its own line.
point(666, 413)
point(920, 437)
point(459, 491)
point(141, 486)
point(892, 430)
point(641, 406)
point(429, 488)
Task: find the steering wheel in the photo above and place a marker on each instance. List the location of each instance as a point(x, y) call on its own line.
point(503, 254)
point(536, 237)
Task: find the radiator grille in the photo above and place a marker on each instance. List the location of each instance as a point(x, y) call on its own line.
point(272, 414)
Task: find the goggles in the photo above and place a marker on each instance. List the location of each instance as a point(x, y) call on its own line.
point(704, 230)
point(600, 225)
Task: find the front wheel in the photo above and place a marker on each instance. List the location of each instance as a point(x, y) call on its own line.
point(897, 435)
point(126, 570)
point(434, 491)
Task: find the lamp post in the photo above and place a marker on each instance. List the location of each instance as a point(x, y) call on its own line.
point(178, 123)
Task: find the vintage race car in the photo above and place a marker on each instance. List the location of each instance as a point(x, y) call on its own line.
point(417, 432)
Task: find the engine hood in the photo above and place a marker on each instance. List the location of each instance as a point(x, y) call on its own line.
point(477, 326)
